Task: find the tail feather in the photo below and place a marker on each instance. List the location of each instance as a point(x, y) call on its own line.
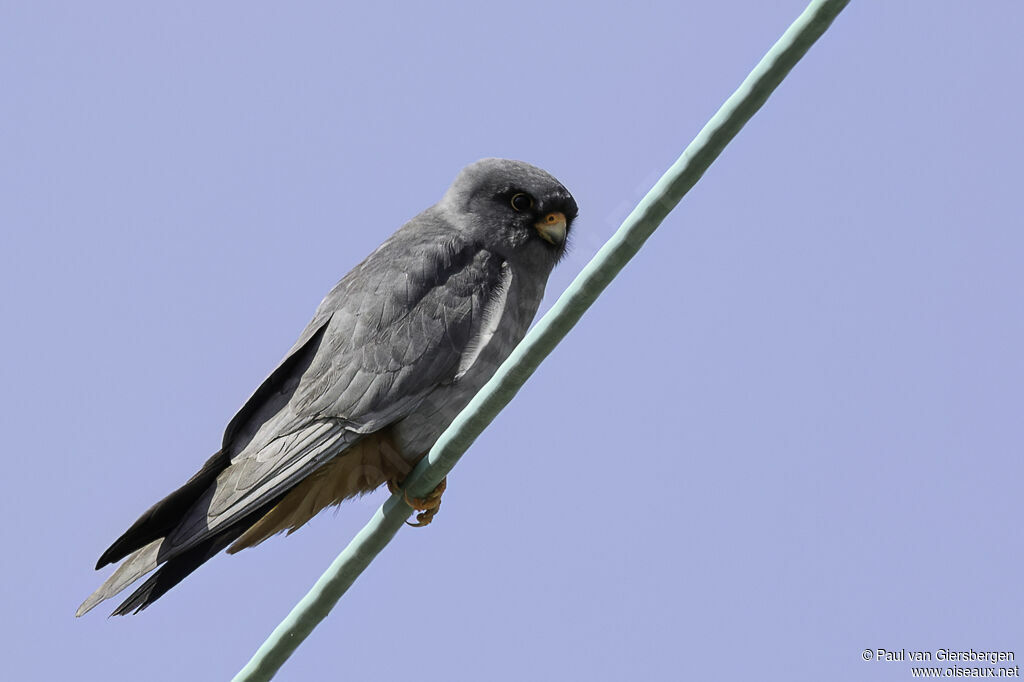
point(177, 565)
point(141, 562)
point(174, 571)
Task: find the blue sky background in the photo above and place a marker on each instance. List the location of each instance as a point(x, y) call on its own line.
point(791, 430)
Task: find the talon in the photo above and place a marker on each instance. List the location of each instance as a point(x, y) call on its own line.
point(425, 517)
point(427, 506)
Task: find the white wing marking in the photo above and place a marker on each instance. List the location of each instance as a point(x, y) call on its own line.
point(493, 310)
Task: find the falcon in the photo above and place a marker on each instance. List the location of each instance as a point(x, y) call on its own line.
point(394, 352)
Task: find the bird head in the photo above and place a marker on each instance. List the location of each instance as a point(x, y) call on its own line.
point(512, 208)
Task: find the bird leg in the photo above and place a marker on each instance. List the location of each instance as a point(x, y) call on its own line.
point(427, 506)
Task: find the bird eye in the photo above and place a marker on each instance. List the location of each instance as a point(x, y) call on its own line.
point(522, 202)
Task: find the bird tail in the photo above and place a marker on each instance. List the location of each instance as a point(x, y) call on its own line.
point(170, 574)
point(173, 572)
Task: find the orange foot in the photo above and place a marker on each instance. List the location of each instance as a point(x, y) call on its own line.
point(427, 506)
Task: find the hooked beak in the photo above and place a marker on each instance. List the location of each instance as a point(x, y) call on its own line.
point(552, 228)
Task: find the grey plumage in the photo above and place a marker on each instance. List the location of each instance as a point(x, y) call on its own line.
point(393, 353)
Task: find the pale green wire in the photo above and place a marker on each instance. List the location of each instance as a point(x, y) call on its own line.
point(543, 338)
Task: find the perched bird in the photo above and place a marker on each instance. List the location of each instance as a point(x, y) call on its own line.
point(393, 353)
